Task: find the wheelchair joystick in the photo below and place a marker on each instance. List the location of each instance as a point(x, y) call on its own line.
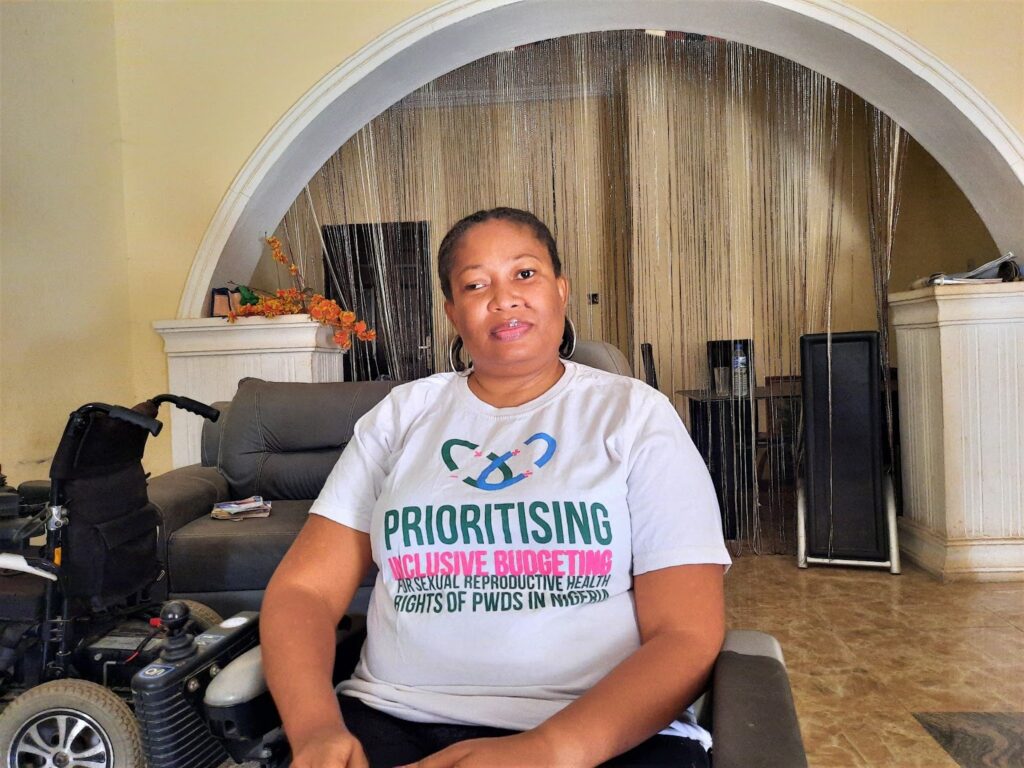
point(179, 644)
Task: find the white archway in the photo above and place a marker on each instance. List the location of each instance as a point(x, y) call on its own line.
point(977, 146)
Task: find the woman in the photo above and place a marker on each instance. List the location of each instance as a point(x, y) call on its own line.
point(549, 545)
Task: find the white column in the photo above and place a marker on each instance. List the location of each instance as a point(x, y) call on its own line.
point(961, 386)
point(206, 357)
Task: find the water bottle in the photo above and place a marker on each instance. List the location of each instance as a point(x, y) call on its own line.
point(740, 372)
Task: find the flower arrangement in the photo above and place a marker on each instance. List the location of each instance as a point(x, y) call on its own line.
point(300, 299)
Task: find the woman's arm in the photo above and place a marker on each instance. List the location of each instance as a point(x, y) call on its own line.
point(681, 614)
point(304, 602)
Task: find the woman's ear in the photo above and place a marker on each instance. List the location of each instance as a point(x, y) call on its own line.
point(449, 309)
point(563, 289)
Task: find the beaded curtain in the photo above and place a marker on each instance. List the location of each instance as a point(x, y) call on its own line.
point(698, 189)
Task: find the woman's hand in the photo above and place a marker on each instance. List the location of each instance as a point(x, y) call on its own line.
point(331, 747)
point(530, 749)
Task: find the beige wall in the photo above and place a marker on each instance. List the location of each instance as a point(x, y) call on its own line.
point(982, 40)
point(124, 125)
point(938, 230)
point(65, 311)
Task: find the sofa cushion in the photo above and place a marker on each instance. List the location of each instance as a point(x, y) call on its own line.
point(281, 440)
point(208, 555)
point(212, 555)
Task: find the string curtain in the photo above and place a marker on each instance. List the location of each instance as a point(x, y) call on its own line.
point(887, 152)
point(698, 189)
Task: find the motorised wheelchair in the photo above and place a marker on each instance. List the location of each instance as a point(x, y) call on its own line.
point(77, 614)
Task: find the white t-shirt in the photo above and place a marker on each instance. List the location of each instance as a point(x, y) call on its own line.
point(507, 538)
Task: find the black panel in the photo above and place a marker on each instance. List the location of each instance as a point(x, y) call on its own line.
point(721, 430)
point(843, 446)
point(359, 260)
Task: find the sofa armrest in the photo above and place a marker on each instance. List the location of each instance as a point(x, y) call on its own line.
point(753, 716)
point(183, 495)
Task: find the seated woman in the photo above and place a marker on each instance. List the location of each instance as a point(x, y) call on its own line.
point(549, 546)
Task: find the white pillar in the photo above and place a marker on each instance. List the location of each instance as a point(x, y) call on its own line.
point(961, 387)
point(207, 356)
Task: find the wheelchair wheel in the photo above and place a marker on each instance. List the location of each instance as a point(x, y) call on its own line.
point(70, 722)
point(203, 615)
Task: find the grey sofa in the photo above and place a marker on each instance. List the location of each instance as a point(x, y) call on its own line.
point(277, 440)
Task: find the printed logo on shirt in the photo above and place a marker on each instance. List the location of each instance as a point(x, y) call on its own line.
point(497, 474)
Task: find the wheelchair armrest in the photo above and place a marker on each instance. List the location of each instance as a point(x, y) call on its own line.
point(238, 705)
point(239, 682)
point(36, 566)
point(753, 716)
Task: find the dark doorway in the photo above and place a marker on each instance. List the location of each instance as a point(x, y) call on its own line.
point(382, 272)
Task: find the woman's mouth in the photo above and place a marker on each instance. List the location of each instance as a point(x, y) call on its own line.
point(511, 330)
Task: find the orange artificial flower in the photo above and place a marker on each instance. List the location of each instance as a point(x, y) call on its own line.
point(277, 250)
point(299, 299)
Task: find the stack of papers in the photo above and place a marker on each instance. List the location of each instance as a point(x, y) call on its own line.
point(254, 506)
point(1007, 268)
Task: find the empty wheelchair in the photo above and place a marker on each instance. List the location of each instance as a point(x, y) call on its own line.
point(77, 619)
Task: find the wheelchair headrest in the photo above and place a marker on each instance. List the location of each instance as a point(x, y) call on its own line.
point(603, 356)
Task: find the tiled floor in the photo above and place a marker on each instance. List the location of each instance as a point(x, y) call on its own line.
point(866, 650)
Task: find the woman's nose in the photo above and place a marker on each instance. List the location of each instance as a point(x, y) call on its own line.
point(505, 297)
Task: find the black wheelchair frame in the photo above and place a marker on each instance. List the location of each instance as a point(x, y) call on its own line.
point(77, 616)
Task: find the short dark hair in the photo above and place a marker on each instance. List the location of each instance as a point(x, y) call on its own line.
point(446, 253)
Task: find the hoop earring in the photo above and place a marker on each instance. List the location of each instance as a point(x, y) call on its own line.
point(568, 346)
point(455, 358)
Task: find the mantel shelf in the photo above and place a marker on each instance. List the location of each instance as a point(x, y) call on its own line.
point(207, 356)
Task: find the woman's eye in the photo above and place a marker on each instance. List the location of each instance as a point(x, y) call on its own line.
point(473, 286)
point(526, 273)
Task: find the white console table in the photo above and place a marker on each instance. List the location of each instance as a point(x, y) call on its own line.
point(207, 356)
point(961, 387)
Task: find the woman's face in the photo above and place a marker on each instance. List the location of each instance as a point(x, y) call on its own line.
point(507, 304)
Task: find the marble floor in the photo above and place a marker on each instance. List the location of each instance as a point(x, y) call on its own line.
point(867, 650)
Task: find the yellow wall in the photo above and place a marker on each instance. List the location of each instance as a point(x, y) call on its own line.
point(937, 230)
point(982, 40)
point(65, 315)
point(123, 126)
point(125, 123)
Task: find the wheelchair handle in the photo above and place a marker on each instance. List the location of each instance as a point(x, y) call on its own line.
point(134, 417)
point(190, 405)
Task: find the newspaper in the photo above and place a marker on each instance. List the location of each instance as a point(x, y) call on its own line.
point(254, 506)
